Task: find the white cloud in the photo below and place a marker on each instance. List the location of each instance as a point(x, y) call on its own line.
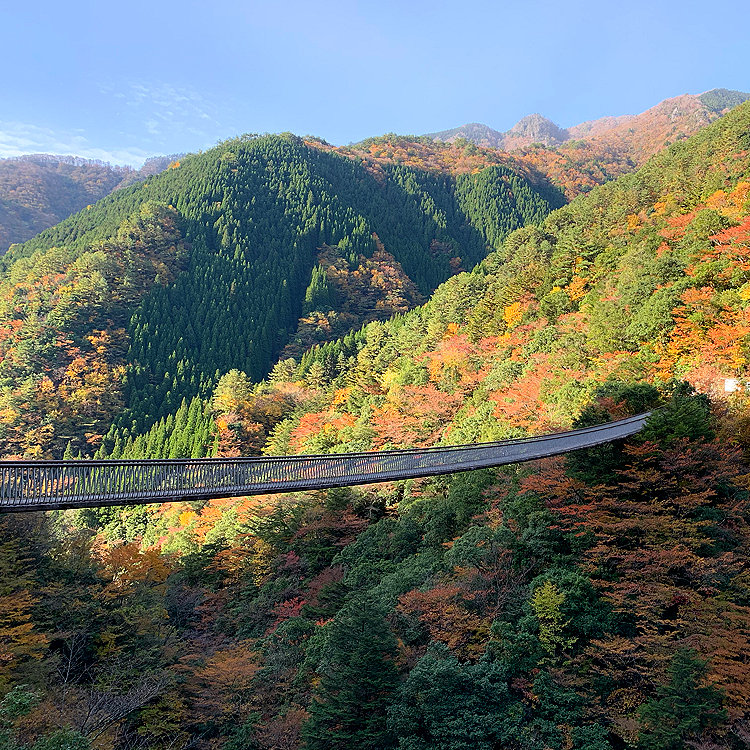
point(159, 117)
point(163, 109)
point(18, 138)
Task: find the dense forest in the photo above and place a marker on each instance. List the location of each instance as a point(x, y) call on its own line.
point(596, 602)
point(641, 280)
point(39, 190)
point(140, 302)
point(599, 601)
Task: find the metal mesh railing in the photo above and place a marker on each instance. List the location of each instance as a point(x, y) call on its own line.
point(45, 485)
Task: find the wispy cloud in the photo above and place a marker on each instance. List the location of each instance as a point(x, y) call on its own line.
point(163, 110)
point(141, 119)
point(17, 138)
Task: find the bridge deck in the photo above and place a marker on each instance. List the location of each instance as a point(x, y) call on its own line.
point(48, 485)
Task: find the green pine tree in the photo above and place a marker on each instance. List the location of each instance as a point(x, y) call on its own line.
point(682, 708)
point(357, 681)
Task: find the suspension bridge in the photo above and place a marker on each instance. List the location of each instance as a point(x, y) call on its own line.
point(52, 485)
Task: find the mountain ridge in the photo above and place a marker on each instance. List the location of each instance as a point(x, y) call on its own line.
point(38, 191)
point(537, 128)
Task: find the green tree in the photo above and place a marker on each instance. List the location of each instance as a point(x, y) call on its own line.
point(318, 295)
point(233, 389)
point(546, 603)
point(446, 705)
point(357, 682)
point(682, 708)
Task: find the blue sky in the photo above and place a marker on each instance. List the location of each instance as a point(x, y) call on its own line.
point(123, 81)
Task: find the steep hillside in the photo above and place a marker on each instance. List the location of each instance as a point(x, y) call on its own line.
point(572, 169)
point(143, 300)
point(40, 190)
point(606, 288)
point(642, 279)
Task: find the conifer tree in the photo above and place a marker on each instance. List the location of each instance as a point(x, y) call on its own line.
point(357, 680)
point(683, 707)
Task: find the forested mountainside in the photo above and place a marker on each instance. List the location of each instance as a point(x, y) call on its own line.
point(643, 279)
point(574, 169)
point(40, 190)
point(599, 601)
point(143, 300)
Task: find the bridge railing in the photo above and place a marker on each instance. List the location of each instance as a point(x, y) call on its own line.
point(43, 485)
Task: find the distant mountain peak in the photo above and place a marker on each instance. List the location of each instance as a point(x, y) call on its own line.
point(476, 132)
point(720, 100)
point(683, 114)
point(533, 128)
point(538, 129)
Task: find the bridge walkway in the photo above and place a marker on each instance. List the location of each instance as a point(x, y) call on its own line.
point(49, 485)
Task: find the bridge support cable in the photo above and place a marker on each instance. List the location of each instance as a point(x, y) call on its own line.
point(50, 485)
